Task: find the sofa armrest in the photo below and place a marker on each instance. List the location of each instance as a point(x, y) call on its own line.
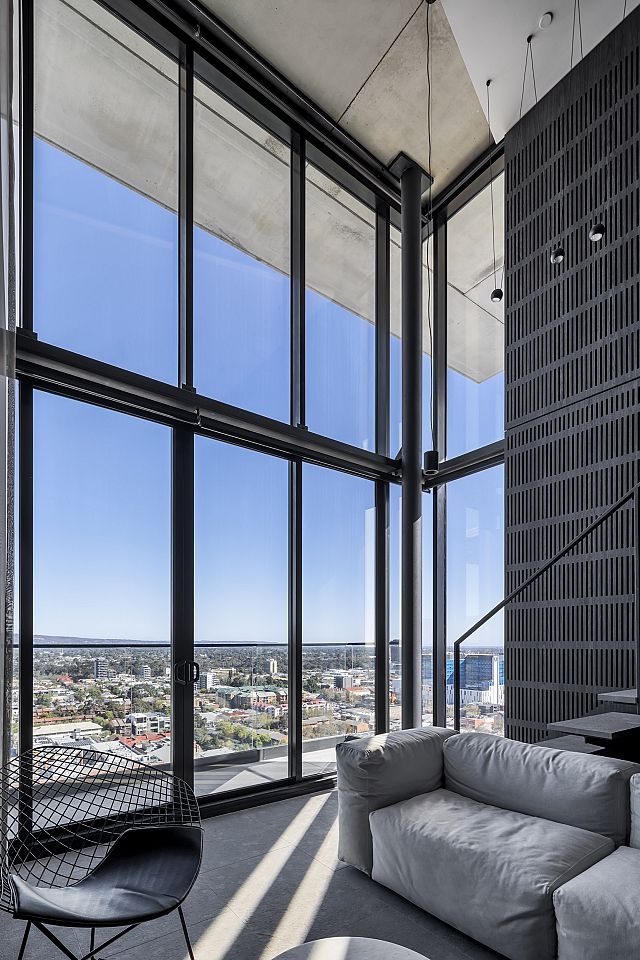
point(634, 796)
point(377, 771)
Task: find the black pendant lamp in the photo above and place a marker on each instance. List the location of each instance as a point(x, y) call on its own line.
point(558, 253)
point(497, 293)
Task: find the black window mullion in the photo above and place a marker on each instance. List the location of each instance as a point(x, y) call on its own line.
point(382, 309)
point(297, 255)
point(297, 260)
point(25, 596)
point(382, 607)
point(295, 619)
point(439, 387)
point(382, 387)
point(185, 221)
point(26, 160)
point(182, 600)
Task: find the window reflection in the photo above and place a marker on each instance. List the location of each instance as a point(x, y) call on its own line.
point(105, 190)
point(340, 313)
point(475, 325)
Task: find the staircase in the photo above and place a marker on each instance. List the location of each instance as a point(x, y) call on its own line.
point(615, 733)
point(614, 727)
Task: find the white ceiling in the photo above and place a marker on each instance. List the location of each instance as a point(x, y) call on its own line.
point(492, 35)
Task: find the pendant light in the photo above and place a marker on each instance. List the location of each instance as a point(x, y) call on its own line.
point(497, 293)
point(558, 253)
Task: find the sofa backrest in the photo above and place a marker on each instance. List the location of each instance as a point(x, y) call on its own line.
point(578, 789)
point(635, 811)
point(377, 771)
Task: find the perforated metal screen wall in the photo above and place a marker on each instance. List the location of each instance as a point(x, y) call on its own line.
point(573, 385)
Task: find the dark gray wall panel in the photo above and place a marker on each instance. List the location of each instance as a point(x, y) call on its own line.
point(573, 384)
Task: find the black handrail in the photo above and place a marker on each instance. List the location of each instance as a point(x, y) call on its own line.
point(633, 494)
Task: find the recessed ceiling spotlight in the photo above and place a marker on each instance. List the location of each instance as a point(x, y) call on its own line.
point(545, 20)
point(557, 254)
point(596, 233)
point(497, 295)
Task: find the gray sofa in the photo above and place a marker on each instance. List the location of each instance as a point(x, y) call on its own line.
point(495, 837)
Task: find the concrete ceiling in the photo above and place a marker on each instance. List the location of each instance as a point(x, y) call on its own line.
point(109, 98)
point(364, 63)
point(492, 34)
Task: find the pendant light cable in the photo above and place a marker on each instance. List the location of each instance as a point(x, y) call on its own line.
point(430, 209)
point(524, 77)
point(493, 220)
point(565, 160)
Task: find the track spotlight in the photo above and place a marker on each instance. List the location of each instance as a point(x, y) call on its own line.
point(596, 234)
point(557, 254)
point(497, 295)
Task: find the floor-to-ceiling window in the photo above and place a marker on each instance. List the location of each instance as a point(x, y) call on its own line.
point(105, 190)
point(475, 323)
point(475, 583)
point(241, 698)
point(199, 579)
point(338, 661)
point(211, 419)
point(340, 313)
point(473, 502)
point(241, 287)
point(101, 579)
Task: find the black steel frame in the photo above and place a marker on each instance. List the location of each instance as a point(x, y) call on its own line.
point(205, 49)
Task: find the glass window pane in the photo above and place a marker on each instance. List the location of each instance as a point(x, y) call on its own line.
point(338, 567)
point(475, 583)
point(395, 345)
point(395, 355)
point(340, 313)
point(241, 617)
point(427, 609)
point(241, 259)
point(428, 315)
point(475, 325)
point(101, 578)
point(395, 608)
point(105, 190)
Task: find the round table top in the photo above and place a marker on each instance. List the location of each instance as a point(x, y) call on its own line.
point(350, 948)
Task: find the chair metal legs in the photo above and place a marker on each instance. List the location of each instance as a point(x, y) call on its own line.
point(23, 945)
point(93, 949)
point(186, 933)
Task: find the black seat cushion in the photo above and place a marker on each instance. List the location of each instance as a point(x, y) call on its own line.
point(147, 872)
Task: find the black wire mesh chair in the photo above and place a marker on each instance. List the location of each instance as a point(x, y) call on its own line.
point(92, 839)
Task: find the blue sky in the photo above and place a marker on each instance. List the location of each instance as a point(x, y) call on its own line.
point(106, 285)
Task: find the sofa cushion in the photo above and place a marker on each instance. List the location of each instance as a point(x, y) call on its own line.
point(376, 771)
point(574, 788)
point(597, 911)
point(489, 872)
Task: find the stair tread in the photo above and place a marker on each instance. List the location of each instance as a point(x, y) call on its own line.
point(572, 744)
point(619, 696)
point(600, 726)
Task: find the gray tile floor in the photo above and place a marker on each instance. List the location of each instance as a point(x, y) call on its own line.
point(270, 880)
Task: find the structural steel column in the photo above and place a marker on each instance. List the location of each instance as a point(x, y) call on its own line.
point(412, 182)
